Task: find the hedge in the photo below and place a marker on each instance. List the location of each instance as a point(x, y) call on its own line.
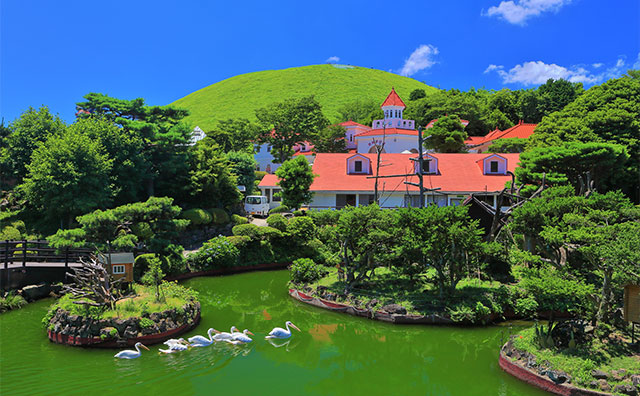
point(220, 216)
point(197, 216)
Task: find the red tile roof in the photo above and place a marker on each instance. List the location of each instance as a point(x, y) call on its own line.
point(457, 173)
point(430, 124)
point(393, 100)
point(387, 131)
point(520, 130)
point(352, 123)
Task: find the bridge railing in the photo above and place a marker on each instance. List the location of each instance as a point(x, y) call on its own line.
point(27, 252)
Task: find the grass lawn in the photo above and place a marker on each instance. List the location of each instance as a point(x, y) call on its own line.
point(144, 301)
point(240, 96)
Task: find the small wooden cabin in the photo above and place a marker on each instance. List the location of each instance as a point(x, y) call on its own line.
point(121, 265)
point(632, 303)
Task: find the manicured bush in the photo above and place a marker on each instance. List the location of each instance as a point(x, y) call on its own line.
point(197, 216)
point(250, 230)
point(301, 229)
point(269, 233)
point(220, 216)
point(278, 221)
point(323, 218)
point(239, 241)
point(315, 250)
point(236, 219)
point(218, 252)
point(304, 270)
point(299, 212)
point(279, 209)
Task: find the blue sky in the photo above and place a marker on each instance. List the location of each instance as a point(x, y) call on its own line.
point(53, 53)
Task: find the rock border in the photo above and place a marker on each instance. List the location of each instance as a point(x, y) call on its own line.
point(533, 378)
point(77, 336)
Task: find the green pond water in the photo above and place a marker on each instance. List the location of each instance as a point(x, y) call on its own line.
point(335, 354)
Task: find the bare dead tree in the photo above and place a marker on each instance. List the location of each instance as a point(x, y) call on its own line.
point(93, 284)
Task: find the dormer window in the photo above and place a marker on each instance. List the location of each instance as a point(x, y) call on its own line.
point(429, 165)
point(494, 164)
point(358, 166)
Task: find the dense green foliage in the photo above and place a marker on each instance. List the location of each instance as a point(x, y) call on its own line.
point(330, 140)
point(286, 123)
point(11, 301)
point(508, 145)
point(304, 270)
point(215, 253)
point(447, 135)
point(243, 167)
point(295, 177)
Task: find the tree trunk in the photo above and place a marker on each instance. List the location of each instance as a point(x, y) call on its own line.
point(605, 297)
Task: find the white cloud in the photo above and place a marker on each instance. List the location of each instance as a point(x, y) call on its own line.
point(538, 72)
point(519, 11)
point(332, 59)
point(420, 59)
point(637, 64)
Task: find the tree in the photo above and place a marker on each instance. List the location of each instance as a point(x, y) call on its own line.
point(68, 175)
point(123, 147)
point(150, 225)
point(554, 95)
point(165, 137)
point(243, 167)
point(330, 140)
point(504, 101)
point(287, 123)
point(362, 112)
point(417, 94)
point(497, 120)
point(153, 277)
point(234, 135)
point(509, 145)
point(211, 182)
point(575, 163)
point(33, 127)
point(295, 178)
point(445, 239)
point(528, 106)
point(365, 236)
point(447, 135)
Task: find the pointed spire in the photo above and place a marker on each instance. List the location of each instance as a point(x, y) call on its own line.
point(393, 100)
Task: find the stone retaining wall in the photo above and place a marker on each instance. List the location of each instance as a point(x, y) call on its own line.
point(75, 330)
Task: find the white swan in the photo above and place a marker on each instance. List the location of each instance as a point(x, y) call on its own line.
point(224, 336)
point(279, 332)
point(130, 354)
point(175, 345)
point(201, 341)
point(240, 338)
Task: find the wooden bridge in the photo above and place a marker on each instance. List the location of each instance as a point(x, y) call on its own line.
point(16, 254)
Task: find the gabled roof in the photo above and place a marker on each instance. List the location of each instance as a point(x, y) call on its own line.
point(520, 130)
point(393, 100)
point(456, 173)
point(430, 124)
point(387, 131)
point(352, 123)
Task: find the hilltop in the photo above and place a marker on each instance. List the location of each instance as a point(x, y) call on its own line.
point(332, 85)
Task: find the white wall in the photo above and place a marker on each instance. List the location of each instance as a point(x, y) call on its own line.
point(392, 143)
point(502, 164)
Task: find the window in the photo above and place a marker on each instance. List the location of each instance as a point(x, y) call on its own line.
point(351, 138)
point(358, 166)
point(494, 167)
point(118, 269)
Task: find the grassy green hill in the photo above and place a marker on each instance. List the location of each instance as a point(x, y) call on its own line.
point(332, 85)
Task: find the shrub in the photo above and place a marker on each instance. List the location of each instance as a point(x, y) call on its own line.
point(278, 221)
point(268, 233)
point(250, 230)
point(304, 270)
point(146, 323)
point(299, 213)
point(322, 218)
point(315, 250)
point(239, 241)
point(220, 216)
point(215, 253)
point(526, 306)
point(280, 209)
point(197, 216)
point(301, 229)
point(235, 219)
point(10, 233)
point(11, 301)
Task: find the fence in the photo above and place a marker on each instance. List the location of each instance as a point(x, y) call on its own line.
point(33, 253)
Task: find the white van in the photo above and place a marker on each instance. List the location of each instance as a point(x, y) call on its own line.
point(256, 205)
